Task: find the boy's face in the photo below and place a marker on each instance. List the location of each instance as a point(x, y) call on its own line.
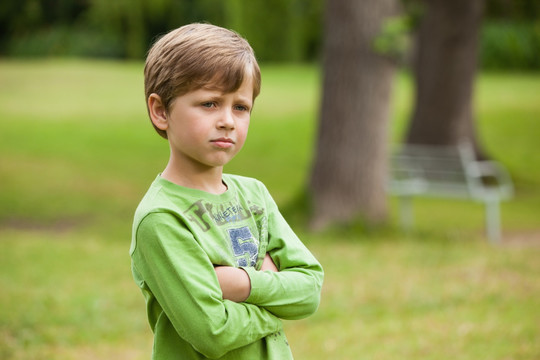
point(207, 128)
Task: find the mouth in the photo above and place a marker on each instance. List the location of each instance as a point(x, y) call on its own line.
point(223, 143)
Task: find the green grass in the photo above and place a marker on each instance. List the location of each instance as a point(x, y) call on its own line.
point(77, 152)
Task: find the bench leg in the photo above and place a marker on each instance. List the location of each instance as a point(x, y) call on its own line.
point(493, 225)
point(406, 212)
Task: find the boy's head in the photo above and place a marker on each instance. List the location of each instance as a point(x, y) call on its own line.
point(195, 56)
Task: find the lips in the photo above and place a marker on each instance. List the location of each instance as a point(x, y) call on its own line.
point(223, 143)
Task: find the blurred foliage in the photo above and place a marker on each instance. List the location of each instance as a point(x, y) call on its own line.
point(507, 45)
point(279, 30)
point(394, 39)
point(521, 10)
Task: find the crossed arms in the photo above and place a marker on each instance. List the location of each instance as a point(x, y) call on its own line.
point(235, 283)
point(217, 309)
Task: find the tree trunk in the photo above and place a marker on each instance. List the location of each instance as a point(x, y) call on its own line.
point(444, 69)
point(348, 175)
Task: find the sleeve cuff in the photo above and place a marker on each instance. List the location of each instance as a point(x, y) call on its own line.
point(256, 278)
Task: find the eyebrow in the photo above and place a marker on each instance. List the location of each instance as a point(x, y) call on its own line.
point(222, 93)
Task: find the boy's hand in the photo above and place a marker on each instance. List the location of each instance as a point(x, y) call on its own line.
point(268, 264)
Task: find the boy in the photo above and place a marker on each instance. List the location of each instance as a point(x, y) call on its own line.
point(216, 262)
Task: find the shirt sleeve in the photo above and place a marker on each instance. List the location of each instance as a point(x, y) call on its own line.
point(182, 278)
point(294, 292)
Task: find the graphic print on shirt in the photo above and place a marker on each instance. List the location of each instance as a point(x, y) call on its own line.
point(205, 213)
point(245, 246)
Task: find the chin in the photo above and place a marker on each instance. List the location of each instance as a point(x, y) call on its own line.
point(218, 163)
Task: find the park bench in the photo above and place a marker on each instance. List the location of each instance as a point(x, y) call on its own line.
point(448, 171)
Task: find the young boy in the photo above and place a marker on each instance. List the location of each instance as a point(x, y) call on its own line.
point(216, 262)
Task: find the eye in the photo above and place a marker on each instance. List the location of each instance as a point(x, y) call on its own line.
point(209, 104)
point(241, 108)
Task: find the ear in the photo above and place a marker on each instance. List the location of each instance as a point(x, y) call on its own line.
point(158, 113)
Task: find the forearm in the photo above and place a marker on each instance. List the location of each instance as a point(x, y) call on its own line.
point(288, 294)
point(235, 283)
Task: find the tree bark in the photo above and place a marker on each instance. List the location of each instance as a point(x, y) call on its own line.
point(444, 69)
point(348, 175)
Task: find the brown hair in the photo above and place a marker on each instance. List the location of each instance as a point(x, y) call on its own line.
point(195, 56)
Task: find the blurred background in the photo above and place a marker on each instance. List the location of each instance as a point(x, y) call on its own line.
point(77, 153)
point(279, 30)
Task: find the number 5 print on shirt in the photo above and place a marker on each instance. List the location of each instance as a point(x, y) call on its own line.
point(244, 246)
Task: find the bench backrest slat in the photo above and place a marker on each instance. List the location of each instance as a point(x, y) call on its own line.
point(438, 170)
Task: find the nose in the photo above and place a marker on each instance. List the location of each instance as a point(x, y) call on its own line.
point(226, 120)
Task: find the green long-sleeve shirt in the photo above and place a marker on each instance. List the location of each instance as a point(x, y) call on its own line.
point(180, 234)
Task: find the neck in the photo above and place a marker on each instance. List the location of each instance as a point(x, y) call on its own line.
point(205, 179)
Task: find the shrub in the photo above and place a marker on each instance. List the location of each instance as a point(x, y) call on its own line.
point(66, 41)
point(506, 45)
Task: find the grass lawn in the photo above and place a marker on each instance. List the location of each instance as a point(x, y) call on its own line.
point(77, 152)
